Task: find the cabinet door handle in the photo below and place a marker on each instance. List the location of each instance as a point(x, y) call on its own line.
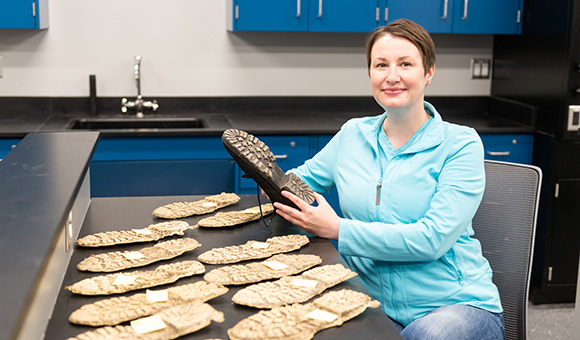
point(445, 7)
point(498, 153)
point(320, 8)
point(280, 156)
point(298, 8)
point(465, 6)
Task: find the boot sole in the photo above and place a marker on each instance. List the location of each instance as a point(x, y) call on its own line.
point(255, 159)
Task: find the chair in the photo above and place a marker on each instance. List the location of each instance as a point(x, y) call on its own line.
point(505, 224)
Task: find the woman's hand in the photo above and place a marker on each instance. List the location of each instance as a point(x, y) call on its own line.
point(321, 220)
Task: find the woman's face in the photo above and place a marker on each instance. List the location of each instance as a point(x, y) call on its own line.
point(398, 78)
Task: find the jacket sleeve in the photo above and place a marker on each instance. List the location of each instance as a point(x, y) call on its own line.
point(459, 190)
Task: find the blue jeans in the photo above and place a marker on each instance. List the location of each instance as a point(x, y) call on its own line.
point(455, 322)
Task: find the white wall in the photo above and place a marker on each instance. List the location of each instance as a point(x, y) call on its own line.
point(187, 51)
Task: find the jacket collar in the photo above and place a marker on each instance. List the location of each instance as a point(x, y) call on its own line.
point(432, 132)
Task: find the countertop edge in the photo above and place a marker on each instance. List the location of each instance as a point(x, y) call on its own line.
point(42, 190)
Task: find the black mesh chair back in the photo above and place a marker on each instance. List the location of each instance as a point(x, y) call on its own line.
point(505, 224)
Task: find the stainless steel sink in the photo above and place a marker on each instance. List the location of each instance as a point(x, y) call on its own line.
point(133, 123)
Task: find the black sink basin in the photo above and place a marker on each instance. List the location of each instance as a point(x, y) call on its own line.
point(133, 123)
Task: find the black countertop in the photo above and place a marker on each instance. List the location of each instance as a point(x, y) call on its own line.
point(258, 115)
point(39, 182)
point(135, 212)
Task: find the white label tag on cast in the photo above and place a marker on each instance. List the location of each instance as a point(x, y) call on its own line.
point(275, 265)
point(318, 314)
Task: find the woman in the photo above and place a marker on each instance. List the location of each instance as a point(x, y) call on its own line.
point(409, 185)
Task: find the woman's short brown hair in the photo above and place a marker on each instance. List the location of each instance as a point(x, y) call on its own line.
point(406, 29)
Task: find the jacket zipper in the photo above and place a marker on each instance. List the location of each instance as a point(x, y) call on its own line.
point(458, 270)
point(380, 183)
point(378, 197)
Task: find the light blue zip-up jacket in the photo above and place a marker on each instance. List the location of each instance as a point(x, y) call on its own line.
point(413, 250)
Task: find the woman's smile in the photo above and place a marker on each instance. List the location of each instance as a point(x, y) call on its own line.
point(393, 90)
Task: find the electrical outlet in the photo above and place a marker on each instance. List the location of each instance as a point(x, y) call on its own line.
point(573, 117)
point(480, 68)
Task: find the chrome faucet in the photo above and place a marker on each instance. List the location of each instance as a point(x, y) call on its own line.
point(138, 104)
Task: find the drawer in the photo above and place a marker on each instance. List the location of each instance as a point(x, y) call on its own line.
point(6, 145)
point(515, 148)
point(161, 177)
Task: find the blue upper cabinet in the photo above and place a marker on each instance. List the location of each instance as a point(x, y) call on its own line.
point(304, 15)
point(31, 14)
point(343, 15)
point(436, 16)
point(460, 16)
point(267, 15)
point(487, 16)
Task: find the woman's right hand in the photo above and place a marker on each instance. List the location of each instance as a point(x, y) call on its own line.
point(320, 220)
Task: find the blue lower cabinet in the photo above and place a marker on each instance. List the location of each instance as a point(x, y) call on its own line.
point(156, 148)
point(162, 177)
point(515, 148)
point(161, 166)
point(6, 145)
